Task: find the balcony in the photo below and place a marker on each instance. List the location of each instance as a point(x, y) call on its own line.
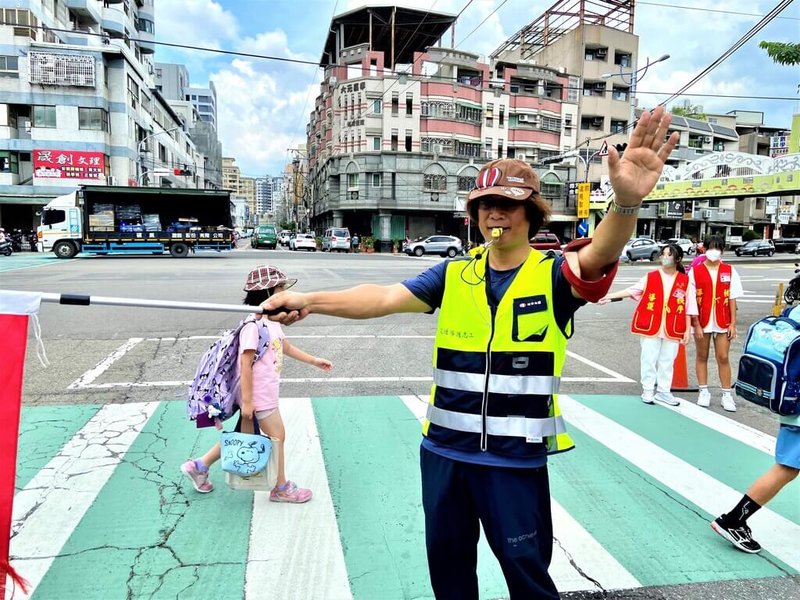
point(448, 56)
point(113, 22)
point(87, 10)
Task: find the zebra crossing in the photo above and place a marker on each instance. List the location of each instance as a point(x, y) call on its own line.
point(102, 511)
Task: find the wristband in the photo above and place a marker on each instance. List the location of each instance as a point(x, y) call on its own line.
point(624, 210)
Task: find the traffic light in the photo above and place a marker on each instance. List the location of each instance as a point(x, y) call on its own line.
point(182, 172)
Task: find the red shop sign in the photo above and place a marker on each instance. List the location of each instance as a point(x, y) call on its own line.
point(68, 164)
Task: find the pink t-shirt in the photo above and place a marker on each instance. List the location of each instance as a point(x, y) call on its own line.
point(267, 369)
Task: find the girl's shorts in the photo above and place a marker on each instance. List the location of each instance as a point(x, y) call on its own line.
point(787, 448)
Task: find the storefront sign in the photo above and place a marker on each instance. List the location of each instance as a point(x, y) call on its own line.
point(68, 164)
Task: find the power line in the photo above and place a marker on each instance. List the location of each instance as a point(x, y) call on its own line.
point(711, 10)
point(481, 23)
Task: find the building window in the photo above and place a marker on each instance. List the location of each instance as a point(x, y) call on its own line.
point(468, 149)
point(600, 54)
point(434, 183)
point(376, 143)
point(618, 126)
point(352, 180)
point(9, 162)
point(445, 110)
point(499, 148)
point(394, 141)
point(468, 113)
point(501, 119)
point(376, 179)
point(377, 105)
point(574, 88)
point(9, 66)
point(133, 92)
point(551, 124)
point(395, 104)
point(620, 93)
point(594, 88)
point(44, 116)
point(466, 183)
point(552, 190)
point(93, 118)
point(623, 59)
point(409, 141)
point(409, 104)
point(436, 145)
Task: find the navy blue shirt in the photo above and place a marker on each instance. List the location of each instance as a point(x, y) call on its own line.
point(428, 286)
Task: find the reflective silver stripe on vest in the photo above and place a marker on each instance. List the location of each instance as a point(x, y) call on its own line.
point(529, 385)
point(504, 426)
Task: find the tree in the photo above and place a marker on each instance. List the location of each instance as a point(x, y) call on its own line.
point(783, 53)
point(692, 111)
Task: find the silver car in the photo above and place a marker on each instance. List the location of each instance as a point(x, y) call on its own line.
point(641, 249)
point(445, 245)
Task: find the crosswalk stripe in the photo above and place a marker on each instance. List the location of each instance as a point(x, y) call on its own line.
point(295, 550)
point(733, 429)
point(44, 515)
point(777, 534)
point(578, 559)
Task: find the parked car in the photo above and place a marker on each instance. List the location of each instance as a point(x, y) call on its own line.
point(786, 244)
point(547, 243)
point(264, 235)
point(284, 237)
point(756, 247)
point(336, 238)
point(446, 245)
point(304, 241)
point(684, 244)
point(641, 249)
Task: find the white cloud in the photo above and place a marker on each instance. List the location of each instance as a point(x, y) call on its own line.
point(195, 22)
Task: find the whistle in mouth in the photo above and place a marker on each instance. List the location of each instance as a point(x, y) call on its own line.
point(497, 232)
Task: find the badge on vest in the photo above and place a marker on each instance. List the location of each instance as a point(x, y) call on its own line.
point(725, 278)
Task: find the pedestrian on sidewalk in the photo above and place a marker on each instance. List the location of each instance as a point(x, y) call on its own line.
point(355, 242)
point(662, 319)
point(700, 256)
point(717, 285)
point(505, 314)
point(260, 383)
point(733, 524)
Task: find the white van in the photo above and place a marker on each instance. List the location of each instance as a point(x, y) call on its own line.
point(336, 238)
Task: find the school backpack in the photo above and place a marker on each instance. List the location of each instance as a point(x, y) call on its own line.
point(215, 390)
point(769, 369)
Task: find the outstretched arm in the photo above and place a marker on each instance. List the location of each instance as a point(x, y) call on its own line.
point(294, 352)
point(360, 302)
point(633, 177)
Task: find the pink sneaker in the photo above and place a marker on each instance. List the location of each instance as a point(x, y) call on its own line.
point(199, 479)
point(289, 492)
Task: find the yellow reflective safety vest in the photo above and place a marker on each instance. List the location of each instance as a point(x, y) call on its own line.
point(497, 369)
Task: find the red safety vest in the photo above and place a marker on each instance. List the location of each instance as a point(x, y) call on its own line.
point(711, 297)
point(652, 308)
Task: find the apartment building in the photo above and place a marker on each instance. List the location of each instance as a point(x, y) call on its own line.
point(78, 103)
point(593, 41)
point(264, 195)
point(401, 128)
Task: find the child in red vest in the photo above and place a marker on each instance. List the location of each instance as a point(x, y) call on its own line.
point(717, 285)
point(666, 299)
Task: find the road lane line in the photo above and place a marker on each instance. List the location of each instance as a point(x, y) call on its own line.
point(573, 548)
point(617, 376)
point(89, 376)
point(777, 534)
point(296, 549)
point(44, 516)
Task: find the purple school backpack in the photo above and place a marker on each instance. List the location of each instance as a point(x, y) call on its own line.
point(215, 390)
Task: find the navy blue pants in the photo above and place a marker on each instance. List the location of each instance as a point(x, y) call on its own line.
point(514, 507)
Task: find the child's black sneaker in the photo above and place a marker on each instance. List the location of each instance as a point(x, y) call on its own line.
point(739, 535)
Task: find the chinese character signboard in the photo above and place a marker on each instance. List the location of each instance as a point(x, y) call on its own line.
point(68, 164)
point(583, 200)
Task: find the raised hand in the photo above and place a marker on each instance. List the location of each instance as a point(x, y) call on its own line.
point(635, 174)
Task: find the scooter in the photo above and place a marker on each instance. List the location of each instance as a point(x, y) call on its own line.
point(792, 292)
point(5, 247)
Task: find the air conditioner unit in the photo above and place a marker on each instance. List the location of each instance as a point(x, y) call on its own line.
point(707, 140)
point(111, 180)
point(524, 118)
point(332, 80)
point(354, 195)
point(521, 157)
point(705, 214)
point(601, 52)
point(597, 122)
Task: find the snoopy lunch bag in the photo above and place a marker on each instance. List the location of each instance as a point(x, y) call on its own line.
point(244, 454)
point(266, 478)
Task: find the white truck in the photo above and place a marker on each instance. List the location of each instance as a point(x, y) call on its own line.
point(104, 220)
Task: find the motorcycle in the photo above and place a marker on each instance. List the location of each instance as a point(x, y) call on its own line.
point(792, 292)
point(5, 247)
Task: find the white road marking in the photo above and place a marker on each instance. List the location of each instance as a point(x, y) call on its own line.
point(617, 376)
point(89, 376)
point(297, 548)
point(44, 516)
point(777, 534)
point(573, 545)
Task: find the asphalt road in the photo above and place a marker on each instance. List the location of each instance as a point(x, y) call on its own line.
point(151, 353)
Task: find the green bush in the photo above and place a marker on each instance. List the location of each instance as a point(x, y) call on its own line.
point(749, 234)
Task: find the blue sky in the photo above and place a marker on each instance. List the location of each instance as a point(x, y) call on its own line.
point(264, 104)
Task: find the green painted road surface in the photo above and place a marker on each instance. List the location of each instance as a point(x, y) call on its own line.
point(102, 511)
point(28, 260)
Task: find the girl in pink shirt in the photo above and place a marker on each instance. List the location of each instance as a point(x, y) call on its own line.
point(260, 382)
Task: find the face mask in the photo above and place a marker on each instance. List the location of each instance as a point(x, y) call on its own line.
point(713, 255)
point(667, 261)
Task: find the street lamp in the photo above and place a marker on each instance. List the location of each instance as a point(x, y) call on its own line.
point(142, 148)
point(634, 78)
